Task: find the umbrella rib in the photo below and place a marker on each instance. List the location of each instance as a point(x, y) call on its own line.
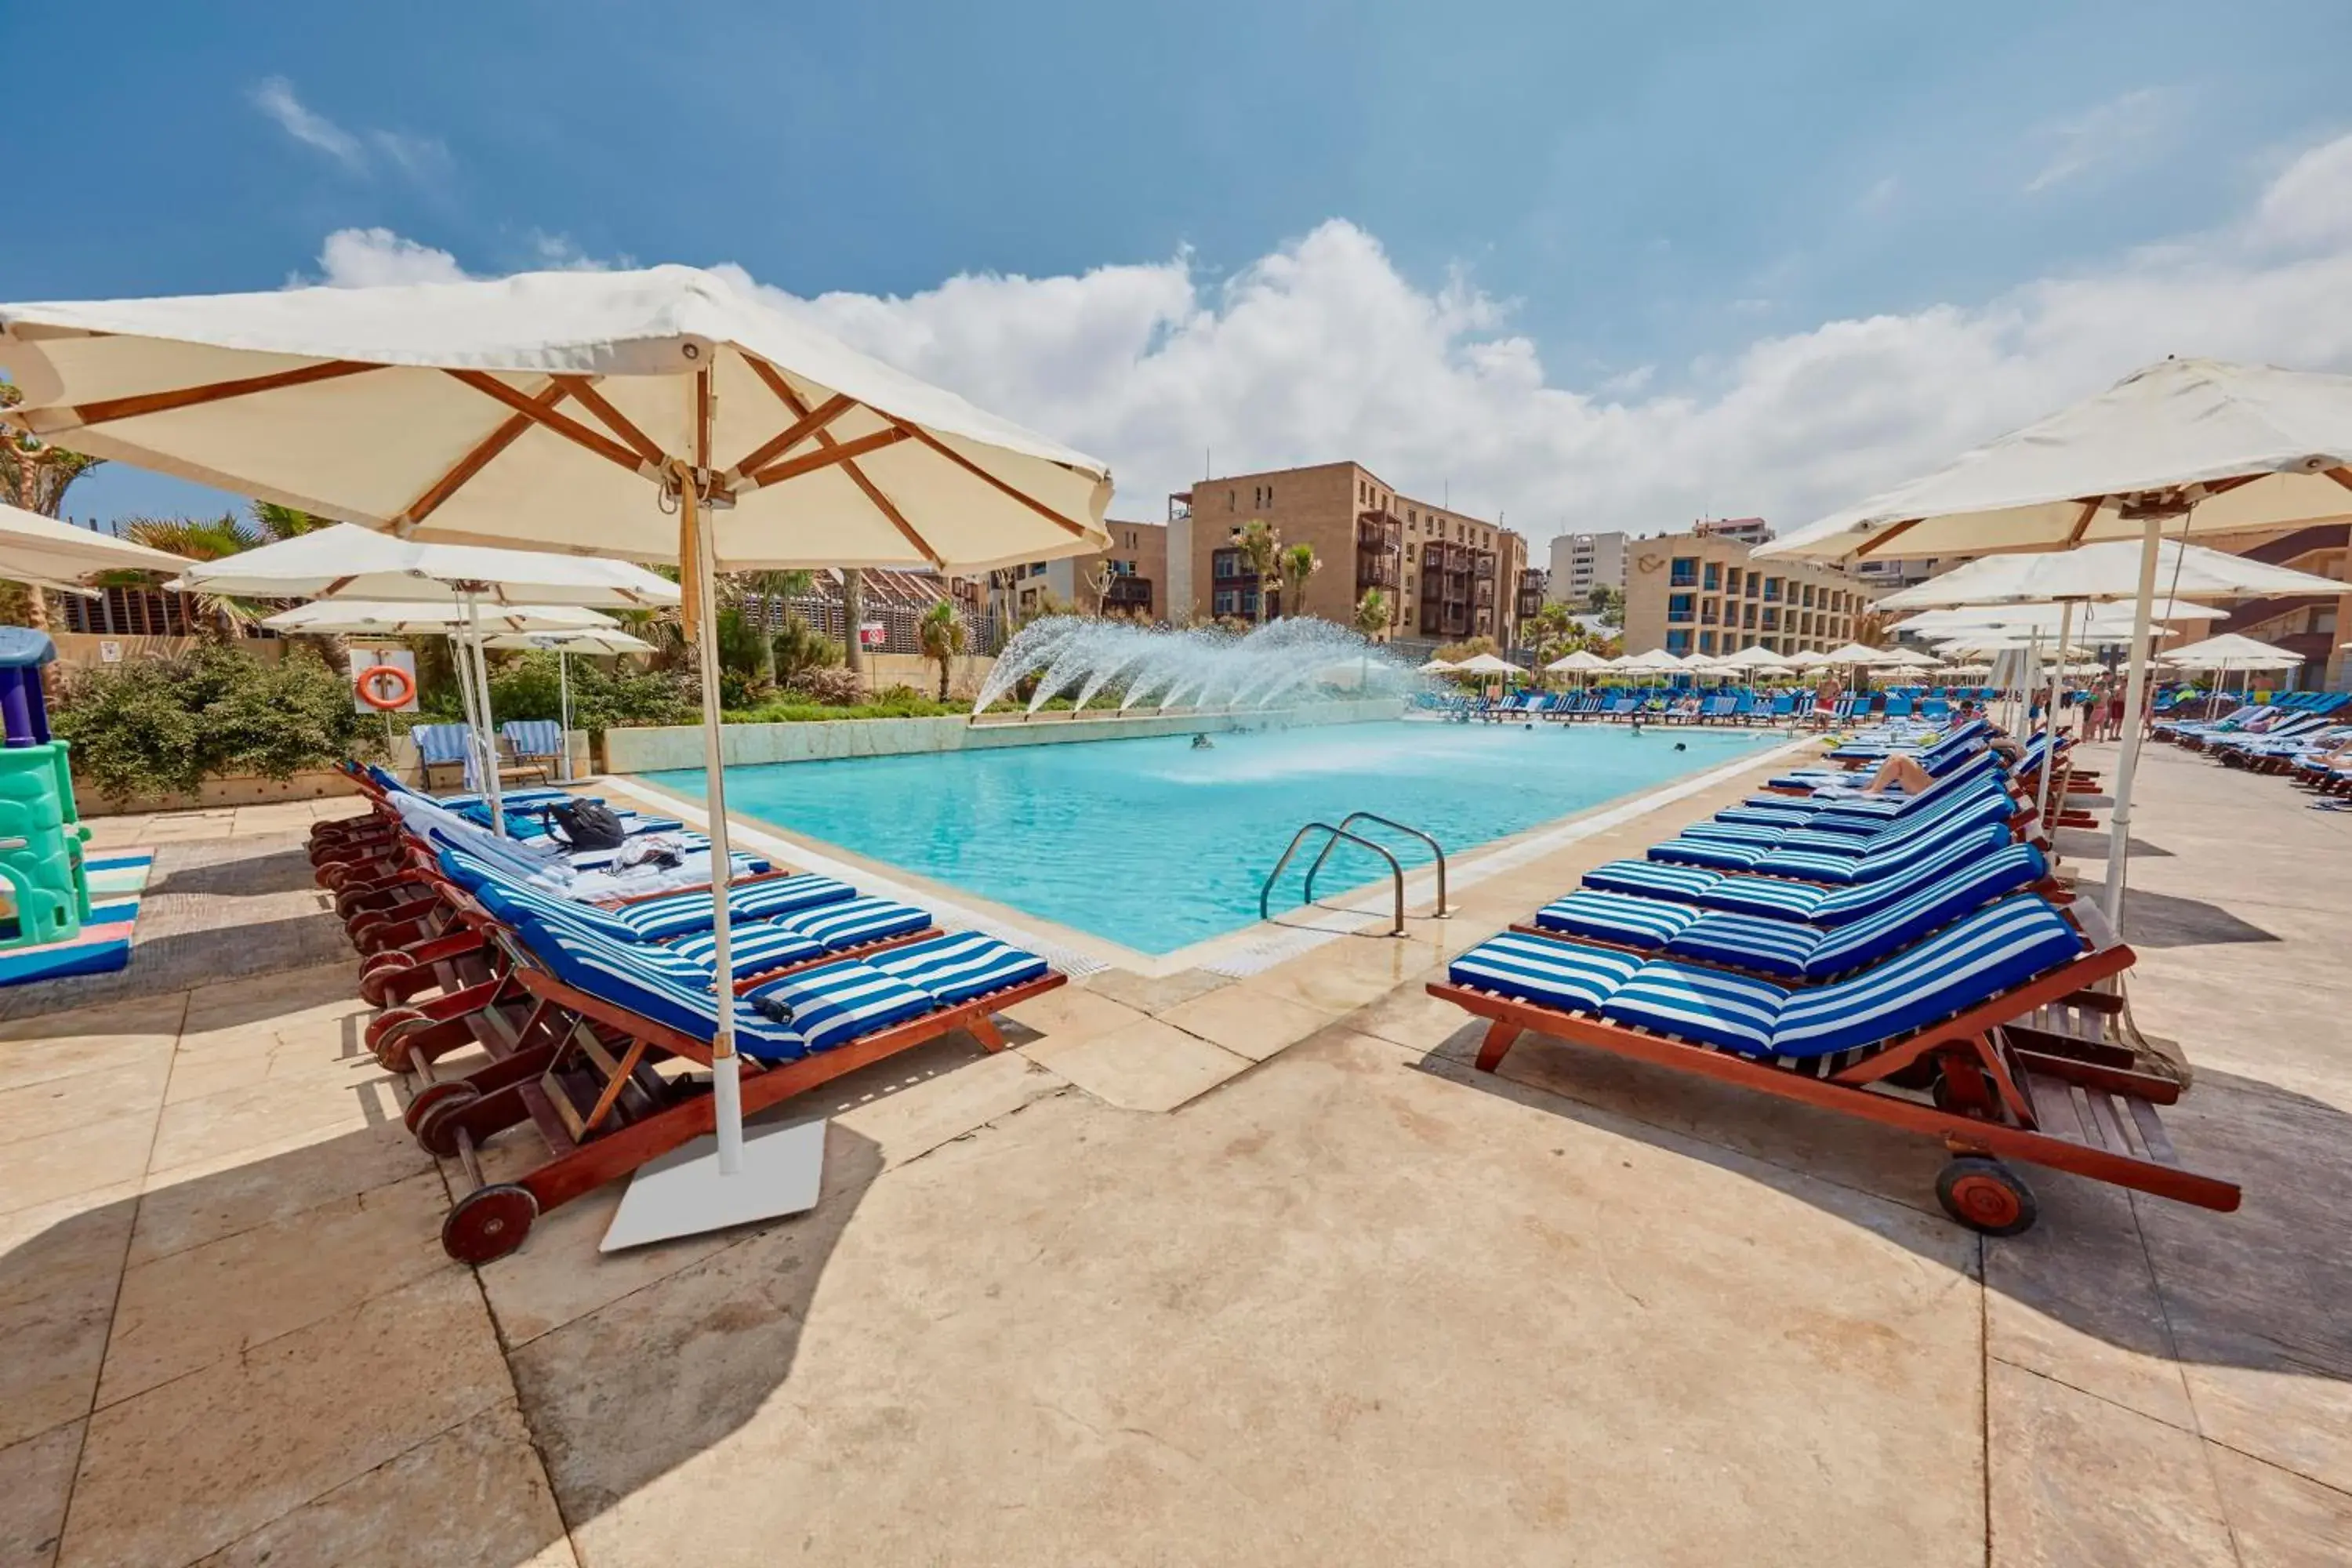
point(1875, 540)
point(585, 389)
point(570, 429)
point(2341, 476)
point(144, 402)
point(792, 435)
point(2083, 523)
point(475, 461)
point(844, 453)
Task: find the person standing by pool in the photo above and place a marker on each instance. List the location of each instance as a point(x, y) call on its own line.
point(1825, 702)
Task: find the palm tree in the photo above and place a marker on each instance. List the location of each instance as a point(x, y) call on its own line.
point(1261, 547)
point(757, 590)
point(1297, 564)
point(1371, 618)
point(944, 637)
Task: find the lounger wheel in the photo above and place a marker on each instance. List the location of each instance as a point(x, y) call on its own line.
point(489, 1223)
point(433, 1116)
point(387, 1035)
point(1986, 1196)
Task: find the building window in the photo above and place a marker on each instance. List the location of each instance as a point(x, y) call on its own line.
point(1678, 642)
point(1771, 619)
point(1750, 620)
point(1707, 642)
point(1711, 577)
point(1683, 573)
point(1731, 582)
point(1771, 589)
point(1808, 595)
point(1709, 612)
point(1678, 607)
point(1230, 500)
point(1226, 601)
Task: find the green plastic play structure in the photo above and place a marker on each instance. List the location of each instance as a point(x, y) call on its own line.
point(40, 832)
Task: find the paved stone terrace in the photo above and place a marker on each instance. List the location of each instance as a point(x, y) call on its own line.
point(1206, 1271)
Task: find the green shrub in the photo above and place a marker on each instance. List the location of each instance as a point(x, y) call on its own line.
point(163, 726)
point(800, 648)
point(835, 688)
point(602, 699)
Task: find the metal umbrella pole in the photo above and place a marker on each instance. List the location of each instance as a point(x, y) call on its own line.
point(563, 712)
point(2049, 752)
point(487, 742)
point(2111, 897)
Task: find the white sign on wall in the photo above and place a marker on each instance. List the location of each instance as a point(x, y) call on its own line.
point(109, 651)
point(400, 658)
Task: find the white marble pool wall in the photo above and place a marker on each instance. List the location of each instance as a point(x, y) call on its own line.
point(680, 746)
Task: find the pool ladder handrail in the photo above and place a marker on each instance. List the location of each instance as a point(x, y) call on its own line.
point(1353, 817)
point(1396, 871)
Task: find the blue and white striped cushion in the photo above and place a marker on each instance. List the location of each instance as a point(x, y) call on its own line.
point(512, 901)
point(1843, 870)
point(1689, 1003)
point(1840, 905)
point(1748, 942)
point(1754, 816)
point(1549, 974)
point(640, 979)
point(533, 737)
point(960, 966)
point(1933, 907)
point(753, 947)
point(776, 896)
point(1999, 947)
point(1766, 896)
point(1650, 879)
point(1735, 832)
point(855, 921)
point(830, 1006)
point(673, 914)
point(1708, 852)
point(1615, 917)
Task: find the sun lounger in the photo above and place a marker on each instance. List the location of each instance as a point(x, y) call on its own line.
point(582, 1020)
point(1819, 855)
point(1934, 1011)
point(534, 743)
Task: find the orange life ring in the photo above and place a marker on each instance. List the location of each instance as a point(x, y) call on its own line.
point(403, 686)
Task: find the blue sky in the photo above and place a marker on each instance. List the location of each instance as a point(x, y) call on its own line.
point(1629, 198)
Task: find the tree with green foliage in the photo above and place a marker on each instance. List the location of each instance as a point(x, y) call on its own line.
point(757, 592)
point(161, 726)
point(1261, 548)
point(1295, 564)
point(944, 638)
point(1607, 603)
point(35, 476)
point(215, 539)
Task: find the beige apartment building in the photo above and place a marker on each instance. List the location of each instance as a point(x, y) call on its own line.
point(1447, 575)
point(1705, 594)
point(1127, 579)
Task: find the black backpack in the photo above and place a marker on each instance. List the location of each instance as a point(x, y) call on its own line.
point(587, 825)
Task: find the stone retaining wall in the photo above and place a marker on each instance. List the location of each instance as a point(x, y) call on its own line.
point(653, 750)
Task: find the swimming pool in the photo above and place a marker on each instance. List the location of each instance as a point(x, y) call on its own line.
point(1154, 845)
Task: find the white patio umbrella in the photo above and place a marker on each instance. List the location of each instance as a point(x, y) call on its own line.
point(2189, 447)
point(1487, 664)
point(1583, 661)
point(49, 554)
point(1650, 661)
point(1437, 667)
point(347, 562)
point(2109, 573)
point(2231, 650)
point(2045, 617)
point(663, 415)
point(591, 641)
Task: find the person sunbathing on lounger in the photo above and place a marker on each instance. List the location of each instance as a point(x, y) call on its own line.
point(1901, 773)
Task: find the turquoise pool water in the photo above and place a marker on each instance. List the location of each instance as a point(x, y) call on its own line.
point(1154, 845)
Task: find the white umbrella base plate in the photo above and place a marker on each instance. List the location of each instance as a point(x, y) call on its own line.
point(683, 1192)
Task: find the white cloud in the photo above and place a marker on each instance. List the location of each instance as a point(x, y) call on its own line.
point(1324, 350)
point(561, 253)
point(420, 158)
point(365, 258)
point(1881, 194)
point(2113, 130)
point(274, 95)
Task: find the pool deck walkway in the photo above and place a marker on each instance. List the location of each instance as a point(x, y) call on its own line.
point(1210, 1270)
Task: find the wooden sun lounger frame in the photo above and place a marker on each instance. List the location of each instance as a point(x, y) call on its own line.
point(638, 1115)
point(2061, 1104)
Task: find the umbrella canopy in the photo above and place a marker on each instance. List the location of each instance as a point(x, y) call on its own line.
point(42, 550)
point(1437, 667)
point(347, 562)
point(1756, 656)
point(544, 409)
point(1811, 658)
point(1905, 659)
point(1583, 660)
point(1653, 661)
point(589, 640)
point(1487, 664)
point(2044, 617)
point(385, 618)
point(2212, 448)
point(2231, 651)
point(2100, 572)
point(1861, 655)
point(663, 414)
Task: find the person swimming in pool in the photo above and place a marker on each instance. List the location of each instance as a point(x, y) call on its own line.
point(1201, 742)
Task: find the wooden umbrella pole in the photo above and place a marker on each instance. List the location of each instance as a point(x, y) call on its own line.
point(725, 1070)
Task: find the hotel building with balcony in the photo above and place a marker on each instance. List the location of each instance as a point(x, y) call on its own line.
point(1447, 575)
point(1689, 593)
